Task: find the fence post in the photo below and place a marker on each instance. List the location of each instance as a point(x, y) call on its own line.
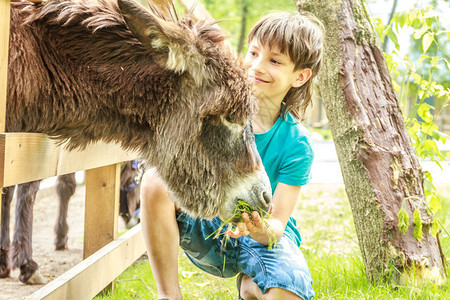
point(4, 47)
point(101, 207)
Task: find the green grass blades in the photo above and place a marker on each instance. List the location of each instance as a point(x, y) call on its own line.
point(330, 247)
point(240, 208)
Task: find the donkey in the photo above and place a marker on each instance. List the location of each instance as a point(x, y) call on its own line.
point(21, 250)
point(163, 86)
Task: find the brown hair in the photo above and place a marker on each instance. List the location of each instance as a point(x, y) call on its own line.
point(299, 35)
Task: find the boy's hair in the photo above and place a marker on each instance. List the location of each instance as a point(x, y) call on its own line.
point(300, 36)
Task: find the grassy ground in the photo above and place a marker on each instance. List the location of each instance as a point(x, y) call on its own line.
point(329, 245)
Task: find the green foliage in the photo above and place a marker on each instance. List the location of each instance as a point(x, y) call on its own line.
point(417, 225)
point(324, 132)
point(329, 245)
point(419, 78)
point(240, 208)
point(403, 220)
point(434, 227)
point(230, 13)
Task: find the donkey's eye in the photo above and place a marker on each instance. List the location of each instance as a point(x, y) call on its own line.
point(229, 118)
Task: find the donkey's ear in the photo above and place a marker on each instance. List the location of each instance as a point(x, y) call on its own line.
point(172, 45)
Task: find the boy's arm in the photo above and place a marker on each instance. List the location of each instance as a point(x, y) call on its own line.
point(284, 201)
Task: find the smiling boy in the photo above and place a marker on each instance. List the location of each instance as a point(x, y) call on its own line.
point(285, 53)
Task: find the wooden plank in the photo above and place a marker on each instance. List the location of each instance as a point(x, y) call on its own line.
point(27, 156)
point(32, 156)
point(88, 278)
point(95, 156)
point(4, 47)
point(101, 207)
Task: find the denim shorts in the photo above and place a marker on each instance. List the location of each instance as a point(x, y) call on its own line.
point(283, 266)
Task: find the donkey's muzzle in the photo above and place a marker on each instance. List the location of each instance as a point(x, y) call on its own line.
point(254, 190)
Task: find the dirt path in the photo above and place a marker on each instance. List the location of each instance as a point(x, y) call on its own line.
point(51, 263)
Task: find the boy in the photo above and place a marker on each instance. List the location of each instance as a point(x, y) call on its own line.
point(285, 52)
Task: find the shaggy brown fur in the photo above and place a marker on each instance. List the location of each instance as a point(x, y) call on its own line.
point(168, 89)
point(86, 71)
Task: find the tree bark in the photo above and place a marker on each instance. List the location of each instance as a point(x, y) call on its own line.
point(378, 163)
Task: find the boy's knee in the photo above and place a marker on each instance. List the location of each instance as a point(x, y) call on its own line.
point(249, 289)
point(278, 293)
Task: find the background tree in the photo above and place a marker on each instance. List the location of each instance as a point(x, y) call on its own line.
point(238, 16)
point(381, 173)
point(422, 82)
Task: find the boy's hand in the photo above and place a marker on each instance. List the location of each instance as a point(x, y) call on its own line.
point(253, 225)
point(260, 230)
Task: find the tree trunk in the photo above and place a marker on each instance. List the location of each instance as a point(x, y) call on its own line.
point(378, 162)
point(243, 34)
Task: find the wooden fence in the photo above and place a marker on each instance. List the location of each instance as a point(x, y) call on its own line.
point(31, 156)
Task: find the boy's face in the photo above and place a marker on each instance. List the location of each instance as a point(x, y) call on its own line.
point(271, 72)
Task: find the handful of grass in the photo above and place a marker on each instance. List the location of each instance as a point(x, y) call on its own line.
point(241, 207)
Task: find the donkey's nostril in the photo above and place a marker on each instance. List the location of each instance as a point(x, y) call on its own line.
point(267, 197)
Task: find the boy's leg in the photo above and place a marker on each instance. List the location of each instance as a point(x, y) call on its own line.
point(277, 273)
point(161, 236)
point(250, 291)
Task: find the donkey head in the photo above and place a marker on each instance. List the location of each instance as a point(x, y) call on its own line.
point(204, 145)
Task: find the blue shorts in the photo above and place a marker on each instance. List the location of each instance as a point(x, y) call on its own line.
point(283, 266)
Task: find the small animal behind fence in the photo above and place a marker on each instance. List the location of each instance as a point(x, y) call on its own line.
point(19, 253)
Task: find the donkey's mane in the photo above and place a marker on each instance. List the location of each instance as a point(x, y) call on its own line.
point(69, 22)
point(103, 17)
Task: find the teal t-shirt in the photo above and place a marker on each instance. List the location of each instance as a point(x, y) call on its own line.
point(287, 156)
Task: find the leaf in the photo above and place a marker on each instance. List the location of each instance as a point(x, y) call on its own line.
point(416, 77)
point(440, 136)
point(434, 61)
point(379, 28)
point(434, 203)
point(422, 58)
point(413, 15)
point(437, 87)
point(446, 62)
point(431, 146)
point(418, 33)
point(402, 17)
point(403, 220)
point(426, 41)
point(431, 127)
point(434, 227)
point(396, 86)
point(417, 225)
point(391, 34)
point(424, 112)
point(428, 183)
